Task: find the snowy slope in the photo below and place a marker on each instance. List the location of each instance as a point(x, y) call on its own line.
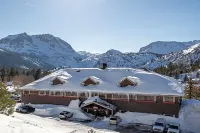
point(166, 47)
point(47, 51)
point(186, 56)
point(47, 48)
point(27, 123)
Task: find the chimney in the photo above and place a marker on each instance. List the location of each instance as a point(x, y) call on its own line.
point(104, 66)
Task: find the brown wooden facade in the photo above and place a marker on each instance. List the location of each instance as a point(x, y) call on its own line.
point(167, 105)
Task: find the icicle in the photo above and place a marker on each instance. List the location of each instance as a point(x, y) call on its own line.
point(90, 95)
point(128, 97)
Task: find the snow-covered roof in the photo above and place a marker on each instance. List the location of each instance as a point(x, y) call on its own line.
point(10, 88)
point(93, 78)
point(196, 80)
point(98, 100)
point(9, 83)
point(150, 82)
point(131, 78)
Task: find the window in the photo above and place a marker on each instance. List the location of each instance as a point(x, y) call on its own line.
point(26, 92)
point(102, 96)
point(109, 96)
point(70, 94)
point(168, 99)
point(42, 93)
point(115, 96)
point(122, 96)
point(33, 92)
point(145, 98)
point(132, 96)
point(57, 93)
point(94, 94)
point(52, 93)
point(47, 92)
point(82, 95)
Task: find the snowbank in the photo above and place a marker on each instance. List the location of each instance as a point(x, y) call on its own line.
point(27, 123)
point(190, 116)
point(74, 104)
point(98, 100)
point(144, 118)
point(49, 110)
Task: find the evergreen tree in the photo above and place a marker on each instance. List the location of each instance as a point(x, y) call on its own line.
point(198, 75)
point(12, 72)
point(3, 74)
point(45, 73)
point(28, 73)
point(6, 103)
point(8, 74)
point(17, 72)
point(24, 72)
point(176, 75)
point(37, 74)
point(190, 90)
point(186, 78)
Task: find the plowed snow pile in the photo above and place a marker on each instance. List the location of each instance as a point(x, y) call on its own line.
point(190, 116)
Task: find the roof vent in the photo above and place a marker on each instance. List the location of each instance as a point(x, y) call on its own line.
point(104, 66)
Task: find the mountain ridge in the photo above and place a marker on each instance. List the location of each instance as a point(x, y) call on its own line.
point(48, 51)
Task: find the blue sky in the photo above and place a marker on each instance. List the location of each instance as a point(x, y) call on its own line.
point(99, 25)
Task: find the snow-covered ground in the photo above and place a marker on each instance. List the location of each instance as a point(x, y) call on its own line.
point(45, 120)
point(28, 123)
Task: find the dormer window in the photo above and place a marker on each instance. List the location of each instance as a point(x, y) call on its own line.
point(57, 81)
point(128, 81)
point(92, 80)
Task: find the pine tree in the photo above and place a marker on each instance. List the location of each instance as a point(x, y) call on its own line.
point(186, 78)
point(8, 74)
point(17, 72)
point(12, 72)
point(37, 74)
point(6, 103)
point(190, 90)
point(176, 75)
point(198, 75)
point(23, 72)
point(3, 74)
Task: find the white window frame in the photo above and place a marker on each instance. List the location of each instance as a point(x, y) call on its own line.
point(26, 91)
point(50, 93)
point(41, 93)
point(154, 98)
point(32, 93)
point(169, 101)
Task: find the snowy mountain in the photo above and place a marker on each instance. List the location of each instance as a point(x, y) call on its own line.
point(166, 47)
point(45, 48)
point(186, 56)
point(47, 51)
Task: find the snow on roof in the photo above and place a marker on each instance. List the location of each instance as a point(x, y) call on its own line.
point(10, 88)
point(131, 78)
point(196, 80)
point(96, 99)
point(150, 83)
point(93, 78)
point(9, 83)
